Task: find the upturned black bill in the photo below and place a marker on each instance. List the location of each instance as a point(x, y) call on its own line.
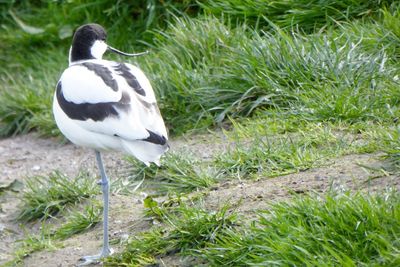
point(112, 49)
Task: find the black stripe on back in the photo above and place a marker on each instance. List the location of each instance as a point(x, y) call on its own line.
point(104, 73)
point(131, 80)
point(155, 138)
point(85, 111)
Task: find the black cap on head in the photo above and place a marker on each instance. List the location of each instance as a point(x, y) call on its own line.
point(84, 38)
point(91, 31)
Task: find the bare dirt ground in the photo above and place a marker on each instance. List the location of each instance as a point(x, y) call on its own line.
point(24, 156)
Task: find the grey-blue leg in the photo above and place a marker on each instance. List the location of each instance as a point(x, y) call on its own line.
point(106, 190)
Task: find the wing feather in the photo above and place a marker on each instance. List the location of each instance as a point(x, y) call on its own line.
point(136, 117)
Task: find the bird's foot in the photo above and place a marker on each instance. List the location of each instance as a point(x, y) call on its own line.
point(87, 260)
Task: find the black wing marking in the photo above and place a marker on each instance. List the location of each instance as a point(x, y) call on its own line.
point(155, 138)
point(124, 71)
point(104, 73)
point(85, 111)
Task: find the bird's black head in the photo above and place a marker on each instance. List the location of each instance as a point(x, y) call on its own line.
point(88, 42)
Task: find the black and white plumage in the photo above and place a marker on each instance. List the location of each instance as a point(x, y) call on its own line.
point(107, 105)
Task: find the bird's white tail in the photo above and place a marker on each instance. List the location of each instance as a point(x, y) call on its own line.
point(145, 151)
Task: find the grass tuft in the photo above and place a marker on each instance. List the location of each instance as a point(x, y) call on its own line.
point(189, 229)
point(46, 196)
point(80, 221)
point(176, 174)
point(346, 230)
point(32, 243)
point(160, 211)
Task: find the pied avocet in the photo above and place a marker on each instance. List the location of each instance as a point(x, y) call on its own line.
point(107, 105)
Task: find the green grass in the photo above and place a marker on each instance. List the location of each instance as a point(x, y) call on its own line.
point(299, 83)
point(46, 196)
point(27, 94)
point(161, 210)
point(383, 33)
point(337, 230)
point(323, 76)
point(52, 23)
point(307, 15)
point(332, 230)
point(271, 145)
point(392, 148)
point(177, 173)
point(207, 68)
point(189, 229)
point(37, 37)
point(280, 156)
point(268, 145)
point(32, 243)
point(50, 236)
point(79, 221)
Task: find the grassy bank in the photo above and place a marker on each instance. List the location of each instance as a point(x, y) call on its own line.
point(295, 85)
point(206, 66)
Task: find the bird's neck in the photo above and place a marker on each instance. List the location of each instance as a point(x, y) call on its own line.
point(79, 53)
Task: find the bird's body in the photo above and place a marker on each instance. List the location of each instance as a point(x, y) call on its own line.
point(107, 105)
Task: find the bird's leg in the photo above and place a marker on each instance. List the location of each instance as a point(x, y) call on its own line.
point(106, 190)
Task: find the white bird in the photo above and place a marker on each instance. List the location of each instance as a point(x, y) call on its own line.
point(107, 105)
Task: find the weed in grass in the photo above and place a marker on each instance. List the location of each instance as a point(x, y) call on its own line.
point(46, 196)
point(189, 229)
point(177, 173)
point(80, 221)
point(338, 230)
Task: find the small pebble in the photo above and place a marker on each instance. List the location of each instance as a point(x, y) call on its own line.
point(36, 168)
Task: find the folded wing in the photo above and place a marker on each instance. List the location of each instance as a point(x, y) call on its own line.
point(113, 99)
